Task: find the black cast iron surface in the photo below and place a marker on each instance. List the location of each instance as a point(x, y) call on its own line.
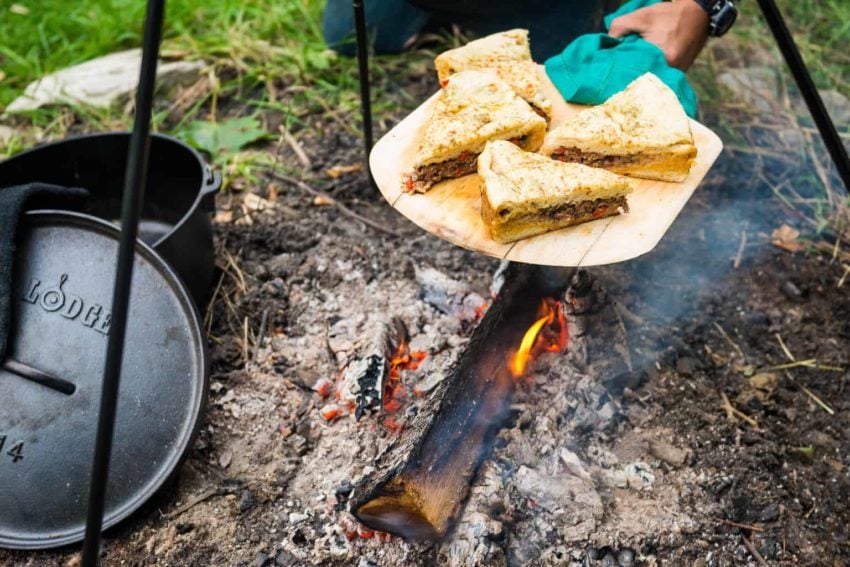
point(179, 197)
point(62, 293)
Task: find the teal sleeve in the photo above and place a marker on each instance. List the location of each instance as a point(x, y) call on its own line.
point(596, 66)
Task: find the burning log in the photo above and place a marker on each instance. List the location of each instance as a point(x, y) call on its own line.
point(366, 378)
point(423, 478)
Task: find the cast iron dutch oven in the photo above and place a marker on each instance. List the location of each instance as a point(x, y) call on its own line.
point(51, 380)
point(178, 200)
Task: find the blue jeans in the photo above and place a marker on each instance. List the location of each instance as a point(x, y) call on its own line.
point(392, 23)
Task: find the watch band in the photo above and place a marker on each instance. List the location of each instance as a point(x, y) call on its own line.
point(721, 13)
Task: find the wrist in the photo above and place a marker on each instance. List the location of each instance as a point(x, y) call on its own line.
point(721, 15)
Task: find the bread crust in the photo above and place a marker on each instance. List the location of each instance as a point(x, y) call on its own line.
point(472, 109)
point(520, 190)
point(508, 55)
point(645, 125)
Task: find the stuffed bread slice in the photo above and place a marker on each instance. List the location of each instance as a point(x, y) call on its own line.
point(642, 131)
point(508, 55)
point(474, 107)
point(524, 194)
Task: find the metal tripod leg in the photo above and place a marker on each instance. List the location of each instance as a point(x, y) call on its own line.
point(807, 88)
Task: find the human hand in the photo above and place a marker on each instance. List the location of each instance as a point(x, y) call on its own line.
point(679, 28)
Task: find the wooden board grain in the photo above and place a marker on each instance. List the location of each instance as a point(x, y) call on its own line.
point(452, 209)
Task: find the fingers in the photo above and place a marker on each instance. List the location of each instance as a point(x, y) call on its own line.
point(633, 22)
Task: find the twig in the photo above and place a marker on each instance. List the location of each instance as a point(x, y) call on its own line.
point(241, 280)
point(264, 322)
point(737, 525)
point(334, 202)
point(209, 313)
point(332, 113)
point(812, 395)
point(732, 412)
point(809, 363)
point(785, 348)
point(819, 170)
point(296, 147)
point(191, 503)
point(729, 339)
point(245, 346)
point(737, 262)
point(844, 275)
point(753, 550)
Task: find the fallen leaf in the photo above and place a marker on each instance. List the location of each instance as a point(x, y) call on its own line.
point(766, 381)
point(787, 238)
point(340, 170)
point(273, 191)
point(320, 201)
point(254, 202)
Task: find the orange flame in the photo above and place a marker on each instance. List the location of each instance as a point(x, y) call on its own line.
point(547, 334)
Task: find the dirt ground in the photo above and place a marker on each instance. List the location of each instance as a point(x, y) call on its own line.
point(767, 482)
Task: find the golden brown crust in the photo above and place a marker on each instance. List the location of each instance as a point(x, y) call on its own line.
point(644, 125)
point(508, 55)
point(524, 194)
point(518, 229)
point(475, 107)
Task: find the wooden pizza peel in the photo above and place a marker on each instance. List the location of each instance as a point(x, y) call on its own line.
point(451, 210)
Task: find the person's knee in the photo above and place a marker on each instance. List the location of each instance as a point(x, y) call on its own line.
point(390, 23)
point(338, 26)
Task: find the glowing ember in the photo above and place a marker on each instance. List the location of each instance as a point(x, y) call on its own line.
point(547, 334)
point(394, 390)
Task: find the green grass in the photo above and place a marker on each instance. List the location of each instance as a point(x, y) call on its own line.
point(268, 56)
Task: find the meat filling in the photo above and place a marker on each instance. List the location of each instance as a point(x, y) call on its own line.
point(587, 210)
point(575, 155)
point(464, 164)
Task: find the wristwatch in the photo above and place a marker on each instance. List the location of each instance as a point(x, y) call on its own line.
point(721, 13)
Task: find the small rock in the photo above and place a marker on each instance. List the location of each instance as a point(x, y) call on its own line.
point(769, 513)
point(104, 82)
point(667, 452)
point(791, 291)
point(261, 560)
point(687, 365)
point(759, 87)
point(247, 501)
point(572, 464)
point(297, 517)
point(225, 459)
point(285, 559)
point(626, 558)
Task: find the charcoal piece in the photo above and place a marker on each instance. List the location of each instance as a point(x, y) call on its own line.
point(366, 375)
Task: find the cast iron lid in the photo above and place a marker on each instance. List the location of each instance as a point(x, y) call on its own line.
point(50, 382)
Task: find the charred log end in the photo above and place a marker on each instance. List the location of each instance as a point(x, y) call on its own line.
point(423, 481)
point(396, 508)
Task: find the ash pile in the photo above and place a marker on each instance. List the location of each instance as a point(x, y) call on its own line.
point(570, 478)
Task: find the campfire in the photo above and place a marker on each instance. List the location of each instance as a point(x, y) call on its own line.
point(423, 480)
